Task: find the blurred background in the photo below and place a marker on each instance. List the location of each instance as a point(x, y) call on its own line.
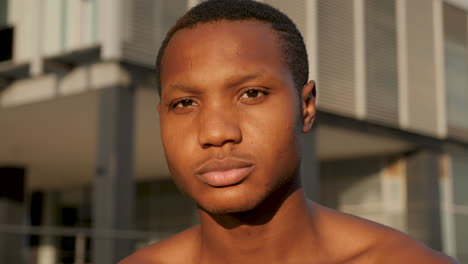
point(83, 177)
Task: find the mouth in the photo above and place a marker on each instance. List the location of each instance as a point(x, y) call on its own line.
point(224, 173)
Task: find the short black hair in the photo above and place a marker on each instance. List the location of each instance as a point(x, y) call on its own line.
point(292, 43)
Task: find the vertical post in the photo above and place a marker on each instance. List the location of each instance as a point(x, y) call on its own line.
point(402, 61)
point(36, 13)
point(309, 170)
point(310, 166)
point(47, 251)
point(446, 195)
point(360, 57)
point(423, 197)
point(439, 64)
point(113, 192)
point(80, 249)
point(11, 212)
point(110, 15)
point(394, 196)
point(311, 38)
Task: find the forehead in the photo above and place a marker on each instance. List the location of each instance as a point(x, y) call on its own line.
point(221, 47)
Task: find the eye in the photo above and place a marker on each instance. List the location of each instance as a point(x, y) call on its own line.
point(252, 94)
point(184, 103)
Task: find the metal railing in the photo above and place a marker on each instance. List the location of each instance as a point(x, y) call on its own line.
point(80, 235)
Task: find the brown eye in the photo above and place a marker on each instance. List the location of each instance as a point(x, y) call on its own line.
point(252, 94)
point(184, 103)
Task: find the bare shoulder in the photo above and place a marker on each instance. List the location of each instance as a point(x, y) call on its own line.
point(363, 241)
point(180, 248)
point(397, 247)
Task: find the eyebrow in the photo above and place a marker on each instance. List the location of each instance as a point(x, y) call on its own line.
point(240, 79)
point(233, 81)
point(185, 88)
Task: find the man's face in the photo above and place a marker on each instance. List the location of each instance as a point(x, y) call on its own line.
point(229, 114)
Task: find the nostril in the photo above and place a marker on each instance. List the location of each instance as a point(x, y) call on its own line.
point(220, 135)
point(220, 144)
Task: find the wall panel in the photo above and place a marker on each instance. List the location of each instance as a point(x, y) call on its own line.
point(460, 203)
point(381, 64)
point(3, 13)
point(53, 23)
point(336, 91)
point(296, 10)
point(421, 67)
point(145, 25)
point(456, 70)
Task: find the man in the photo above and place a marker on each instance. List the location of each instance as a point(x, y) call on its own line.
point(235, 100)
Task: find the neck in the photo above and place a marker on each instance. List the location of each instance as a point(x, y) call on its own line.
point(256, 237)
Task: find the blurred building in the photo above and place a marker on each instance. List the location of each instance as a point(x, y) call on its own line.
point(82, 170)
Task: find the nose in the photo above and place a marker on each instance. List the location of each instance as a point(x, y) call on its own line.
point(218, 126)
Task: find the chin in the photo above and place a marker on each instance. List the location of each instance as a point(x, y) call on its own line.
point(230, 204)
point(227, 209)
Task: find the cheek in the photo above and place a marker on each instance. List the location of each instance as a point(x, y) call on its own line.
point(178, 152)
point(275, 121)
point(273, 130)
point(178, 143)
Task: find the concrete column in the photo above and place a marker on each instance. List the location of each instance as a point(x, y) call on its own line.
point(110, 15)
point(11, 212)
point(35, 10)
point(353, 186)
point(360, 57)
point(113, 190)
point(439, 64)
point(310, 166)
point(402, 62)
point(456, 218)
point(47, 250)
point(447, 210)
point(423, 219)
point(393, 186)
point(311, 39)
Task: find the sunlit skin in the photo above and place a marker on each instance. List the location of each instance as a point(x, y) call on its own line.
point(228, 95)
point(246, 109)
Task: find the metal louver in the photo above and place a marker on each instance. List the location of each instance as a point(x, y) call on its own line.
point(421, 67)
point(146, 23)
point(336, 57)
point(296, 10)
point(381, 62)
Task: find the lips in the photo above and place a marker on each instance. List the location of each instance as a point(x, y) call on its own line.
point(224, 173)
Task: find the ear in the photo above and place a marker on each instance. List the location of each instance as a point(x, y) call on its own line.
point(158, 107)
point(308, 106)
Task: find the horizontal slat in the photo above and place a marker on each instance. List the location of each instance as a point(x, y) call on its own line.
point(421, 67)
point(336, 57)
point(146, 24)
point(381, 69)
point(296, 10)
